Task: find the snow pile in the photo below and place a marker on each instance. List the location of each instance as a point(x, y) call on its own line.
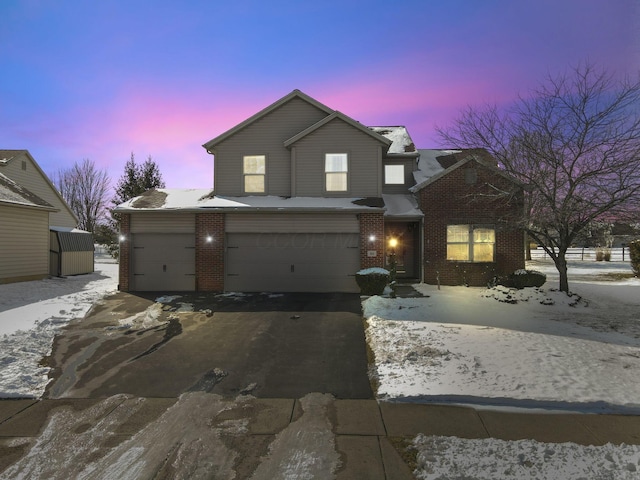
point(492, 459)
point(31, 314)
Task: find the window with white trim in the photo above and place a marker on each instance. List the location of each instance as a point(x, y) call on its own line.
point(471, 243)
point(254, 168)
point(336, 170)
point(394, 174)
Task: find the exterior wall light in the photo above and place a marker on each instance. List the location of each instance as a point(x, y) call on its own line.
point(209, 239)
point(122, 238)
point(393, 242)
point(372, 238)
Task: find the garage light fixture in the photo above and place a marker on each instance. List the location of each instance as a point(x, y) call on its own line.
point(122, 238)
point(372, 238)
point(209, 239)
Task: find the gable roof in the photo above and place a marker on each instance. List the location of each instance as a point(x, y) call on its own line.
point(265, 111)
point(469, 158)
point(12, 193)
point(6, 156)
point(340, 116)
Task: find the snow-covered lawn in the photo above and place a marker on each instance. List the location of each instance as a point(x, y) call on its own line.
point(31, 313)
point(499, 348)
point(502, 347)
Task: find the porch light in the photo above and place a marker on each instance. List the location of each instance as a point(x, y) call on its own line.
point(393, 242)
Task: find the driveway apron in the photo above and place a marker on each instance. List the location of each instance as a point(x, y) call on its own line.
point(266, 345)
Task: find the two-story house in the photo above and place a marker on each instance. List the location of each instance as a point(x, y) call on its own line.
point(304, 197)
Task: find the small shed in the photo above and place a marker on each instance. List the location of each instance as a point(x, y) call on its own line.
point(71, 251)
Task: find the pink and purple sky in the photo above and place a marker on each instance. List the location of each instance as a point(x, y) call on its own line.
point(100, 80)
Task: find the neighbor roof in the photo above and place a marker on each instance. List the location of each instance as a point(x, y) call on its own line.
point(13, 193)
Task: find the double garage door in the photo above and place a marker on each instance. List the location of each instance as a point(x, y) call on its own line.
point(264, 252)
point(291, 252)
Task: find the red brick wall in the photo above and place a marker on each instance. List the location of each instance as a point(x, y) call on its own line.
point(371, 224)
point(450, 200)
point(210, 255)
point(125, 253)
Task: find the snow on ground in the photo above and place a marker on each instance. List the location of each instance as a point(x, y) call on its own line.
point(502, 348)
point(31, 313)
point(493, 459)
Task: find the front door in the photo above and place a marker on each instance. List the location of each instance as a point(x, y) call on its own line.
point(402, 240)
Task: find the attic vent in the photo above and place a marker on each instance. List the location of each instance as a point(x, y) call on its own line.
point(470, 176)
point(24, 165)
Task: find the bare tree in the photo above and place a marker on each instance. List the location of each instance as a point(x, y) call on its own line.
point(85, 189)
point(575, 143)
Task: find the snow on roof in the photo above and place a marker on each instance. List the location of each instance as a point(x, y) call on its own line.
point(428, 165)
point(402, 142)
point(401, 206)
point(11, 192)
point(196, 199)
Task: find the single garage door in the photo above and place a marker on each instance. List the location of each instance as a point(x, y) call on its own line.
point(292, 262)
point(164, 262)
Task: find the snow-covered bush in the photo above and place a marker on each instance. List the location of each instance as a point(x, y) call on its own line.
point(634, 253)
point(522, 279)
point(372, 281)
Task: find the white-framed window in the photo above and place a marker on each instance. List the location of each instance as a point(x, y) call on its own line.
point(254, 169)
point(336, 171)
point(471, 243)
point(394, 174)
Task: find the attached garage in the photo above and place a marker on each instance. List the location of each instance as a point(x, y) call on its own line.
point(163, 253)
point(292, 252)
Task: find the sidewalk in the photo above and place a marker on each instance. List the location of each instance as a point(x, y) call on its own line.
point(365, 431)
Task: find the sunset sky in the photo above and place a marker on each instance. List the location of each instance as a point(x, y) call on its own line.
point(100, 80)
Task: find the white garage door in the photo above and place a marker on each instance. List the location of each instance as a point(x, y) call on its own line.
point(292, 262)
point(163, 262)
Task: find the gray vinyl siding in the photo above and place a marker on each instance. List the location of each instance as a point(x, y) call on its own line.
point(163, 222)
point(291, 223)
point(409, 167)
point(24, 244)
point(364, 157)
point(31, 179)
point(266, 136)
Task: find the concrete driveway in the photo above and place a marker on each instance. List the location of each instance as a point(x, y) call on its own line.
point(269, 346)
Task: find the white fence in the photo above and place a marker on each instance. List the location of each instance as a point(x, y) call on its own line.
point(618, 254)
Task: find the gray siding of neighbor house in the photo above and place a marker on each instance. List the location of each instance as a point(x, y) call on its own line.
point(33, 180)
point(24, 244)
point(364, 157)
point(265, 136)
point(409, 167)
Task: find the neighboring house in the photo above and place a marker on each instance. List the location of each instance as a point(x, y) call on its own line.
point(305, 196)
point(38, 236)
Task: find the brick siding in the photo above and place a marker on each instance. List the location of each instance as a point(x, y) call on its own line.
point(371, 224)
point(451, 200)
point(210, 254)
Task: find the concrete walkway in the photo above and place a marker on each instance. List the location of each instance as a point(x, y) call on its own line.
point(366, 434)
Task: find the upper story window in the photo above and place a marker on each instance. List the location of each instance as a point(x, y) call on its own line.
point(471, 243)
point(394, 174)
point(336, 169)
point(254, 171)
